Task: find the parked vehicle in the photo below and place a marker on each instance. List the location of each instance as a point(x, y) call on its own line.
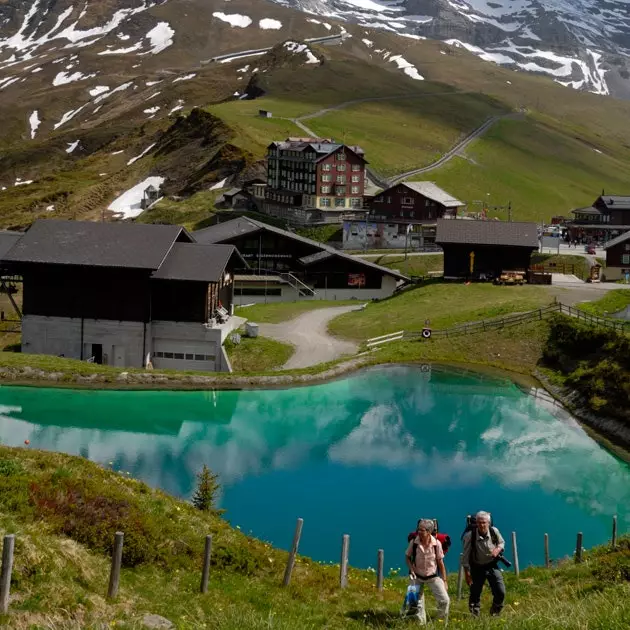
point(589, 249)
point(511, 278)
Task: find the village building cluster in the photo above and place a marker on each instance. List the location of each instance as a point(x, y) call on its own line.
point(133, 295)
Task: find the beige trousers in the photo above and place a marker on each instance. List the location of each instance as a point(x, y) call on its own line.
point(441, 597)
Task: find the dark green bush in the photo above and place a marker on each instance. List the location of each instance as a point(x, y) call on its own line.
point(614, 567)
point(92, 514)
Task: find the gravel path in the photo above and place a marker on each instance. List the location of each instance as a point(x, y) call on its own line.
point(309, 334)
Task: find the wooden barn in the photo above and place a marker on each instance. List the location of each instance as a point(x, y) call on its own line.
point(122, 293)
point(480, 250)
point(284, 266)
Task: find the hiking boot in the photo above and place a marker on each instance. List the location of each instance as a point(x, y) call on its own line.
point(475, 611)
point(495, 611)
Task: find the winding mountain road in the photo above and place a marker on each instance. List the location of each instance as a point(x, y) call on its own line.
point(385, 182)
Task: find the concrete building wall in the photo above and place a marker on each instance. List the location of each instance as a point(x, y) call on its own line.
point(127, 344)
point(122, 342)
point(612, 274)
point(193, 346)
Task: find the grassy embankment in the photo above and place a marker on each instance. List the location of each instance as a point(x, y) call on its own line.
point(64, 511)
point(595, 363)
point(258, 354)
point(445, 304)
point(612, 302)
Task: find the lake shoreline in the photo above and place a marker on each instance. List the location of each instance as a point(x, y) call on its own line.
point(611, 433)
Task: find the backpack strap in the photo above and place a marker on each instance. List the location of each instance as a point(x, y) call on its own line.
point(494, 536)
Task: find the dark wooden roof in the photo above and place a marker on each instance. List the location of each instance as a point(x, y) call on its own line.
point(472, 232)
point(130, 245)
point(8, 240)
point(619, 239)
point(244, 225)
point(197, 263)
point(616, 202)
point(226, 231)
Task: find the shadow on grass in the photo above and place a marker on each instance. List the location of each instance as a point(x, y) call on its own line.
point(377, 618)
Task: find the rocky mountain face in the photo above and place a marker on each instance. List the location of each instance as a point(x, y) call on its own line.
point(583, 44)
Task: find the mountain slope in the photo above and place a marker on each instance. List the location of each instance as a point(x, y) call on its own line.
point(583, 44)
point(90, 98)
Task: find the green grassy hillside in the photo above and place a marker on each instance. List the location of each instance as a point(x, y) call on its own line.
point(64, 512)
point(539, 169)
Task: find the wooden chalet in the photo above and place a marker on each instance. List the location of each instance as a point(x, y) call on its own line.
point(478, 250)
point(403, 216)
point(618, 258)
point(284, 266)
point(123, 293)
point(607, 218)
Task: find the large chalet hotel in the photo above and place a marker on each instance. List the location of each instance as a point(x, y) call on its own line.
point(313, 180)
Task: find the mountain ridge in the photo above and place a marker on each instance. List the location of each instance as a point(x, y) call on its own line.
point(583, 44)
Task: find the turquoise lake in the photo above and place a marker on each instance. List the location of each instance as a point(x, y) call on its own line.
point(367, 456)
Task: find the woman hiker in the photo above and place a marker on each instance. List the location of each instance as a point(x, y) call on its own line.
point(424, 558)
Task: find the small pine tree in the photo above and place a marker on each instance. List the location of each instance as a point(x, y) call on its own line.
point(207, 489)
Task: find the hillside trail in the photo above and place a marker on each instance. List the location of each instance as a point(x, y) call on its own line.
point(385, 182)
point(309, 334)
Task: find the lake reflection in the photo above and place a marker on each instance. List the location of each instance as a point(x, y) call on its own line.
point(366, 455)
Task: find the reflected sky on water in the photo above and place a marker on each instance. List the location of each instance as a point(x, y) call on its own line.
point(366, 455)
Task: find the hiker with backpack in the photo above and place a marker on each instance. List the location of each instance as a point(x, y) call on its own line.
point(483, 549)
point(425, 559)
point(444, 539)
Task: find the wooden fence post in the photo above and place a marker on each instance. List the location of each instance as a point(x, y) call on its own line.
point(294, 549)
point(578, 547)
point(114, 576)
point(380, 560)
point(547, 561)
point(460, 576)
point(515, 554)
point(614, 532)
point(343, 567)
point(5, 575)
point(205, 571)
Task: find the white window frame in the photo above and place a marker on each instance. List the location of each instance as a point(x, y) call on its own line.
point(356, 190)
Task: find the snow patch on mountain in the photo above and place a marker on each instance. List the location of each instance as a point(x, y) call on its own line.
point(161, 37)
point(269, 24)
point(297, 49)
point(129, 204)
point(34, 122)
point(234, 19)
